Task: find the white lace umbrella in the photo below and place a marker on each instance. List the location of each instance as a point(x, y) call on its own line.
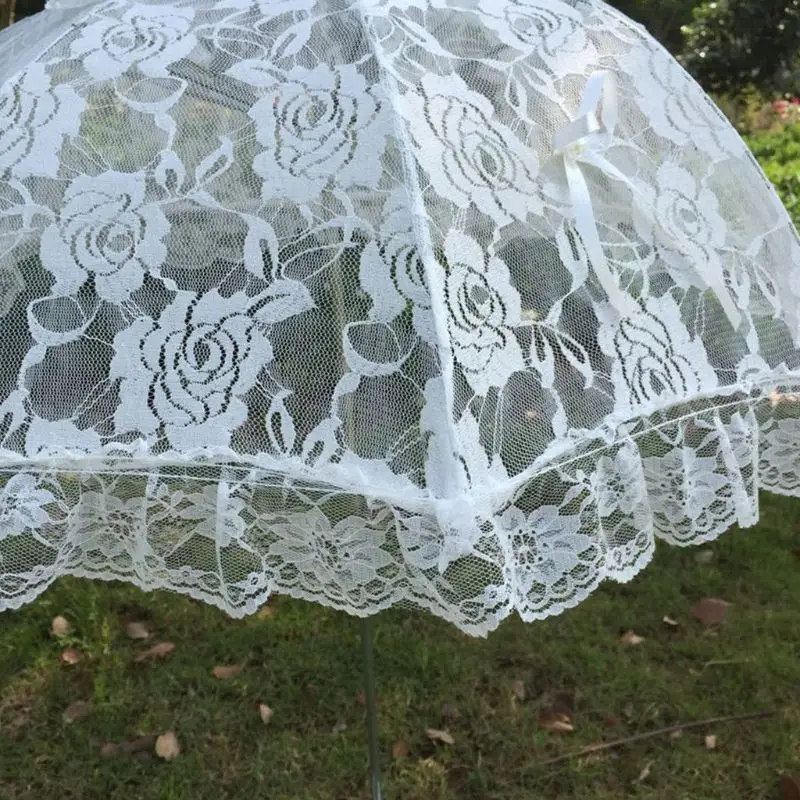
point(457, 304)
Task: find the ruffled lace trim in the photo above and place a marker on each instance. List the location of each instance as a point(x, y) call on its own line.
point(233, 536)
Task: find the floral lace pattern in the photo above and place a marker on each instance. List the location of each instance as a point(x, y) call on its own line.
point(297, 296)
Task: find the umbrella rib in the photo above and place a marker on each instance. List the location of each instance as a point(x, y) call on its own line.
point(457, 479)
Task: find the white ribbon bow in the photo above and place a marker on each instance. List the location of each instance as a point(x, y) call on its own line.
point(584, 140)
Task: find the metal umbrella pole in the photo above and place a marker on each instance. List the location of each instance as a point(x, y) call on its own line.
point(371, 708)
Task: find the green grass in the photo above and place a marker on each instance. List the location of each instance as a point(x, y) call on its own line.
point(304, 662)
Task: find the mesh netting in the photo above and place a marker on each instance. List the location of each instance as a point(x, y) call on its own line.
point(456, 304)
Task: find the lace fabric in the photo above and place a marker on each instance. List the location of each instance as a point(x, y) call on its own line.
point(318, 297)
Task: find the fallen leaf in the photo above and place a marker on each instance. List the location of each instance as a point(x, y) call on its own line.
point(676, 734)
point(644, 774)
point(439, 736)
point(711, 742)
point(80, 709)
point(266, 713)
point(137, 630)
point(129, 747)
point(167, 746)
point(339, 727)
point(518, 690)
point(159, 650)
point(704, 557)
point(790, 787)
point(400, 749)
point(776, 398)
point(632, 638)
point(710, 611)
point(556, 720)
point(225, 671)
point(673, 623)
point(266, 612)
point(70, 656)
point(60, 627)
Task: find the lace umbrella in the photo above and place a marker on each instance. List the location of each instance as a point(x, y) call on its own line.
point(458, 304)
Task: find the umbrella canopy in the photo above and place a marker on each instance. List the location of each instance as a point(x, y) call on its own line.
point(457, 304)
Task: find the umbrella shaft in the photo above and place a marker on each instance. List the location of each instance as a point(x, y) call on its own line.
point(371, 709)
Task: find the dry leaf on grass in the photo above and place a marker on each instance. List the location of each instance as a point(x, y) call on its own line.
point(266, 612)
point(225, 671)
point(167, 746)
point(704, 557)
point(159, 650)
point(517, 694)
point(137, 630)
point(400, 749)
point(60, 627)
point(790, 787)
point(129, 747)
point(265, 712)
point(711, 742)
point(645, 773)
point(556, 720)
point(673, 623)
point(776, 398)
point(439, 736)
point(632, 638)
point(676, 734)
point(80, 709)
point(710, 611)
point(70, 656)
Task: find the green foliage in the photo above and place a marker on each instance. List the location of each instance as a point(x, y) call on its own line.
point(749, 110)
point(662, 18)
point(779, 155)
point(730, 43)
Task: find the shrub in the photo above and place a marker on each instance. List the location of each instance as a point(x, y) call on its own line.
point(778, 152)
point(730, 43)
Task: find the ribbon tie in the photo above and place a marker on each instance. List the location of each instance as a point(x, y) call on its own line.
point(584, 140)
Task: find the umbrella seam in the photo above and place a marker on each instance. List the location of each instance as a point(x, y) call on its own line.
point(428, 258)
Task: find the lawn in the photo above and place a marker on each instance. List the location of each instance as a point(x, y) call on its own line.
point(499, 698)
